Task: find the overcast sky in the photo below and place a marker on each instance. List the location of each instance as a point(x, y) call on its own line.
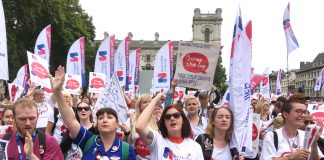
point(172, 19)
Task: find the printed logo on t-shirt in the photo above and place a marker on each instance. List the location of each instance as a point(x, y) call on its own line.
point(169, 155)
point(141, 148)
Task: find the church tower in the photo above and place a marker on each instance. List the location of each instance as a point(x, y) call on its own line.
point(206, 28)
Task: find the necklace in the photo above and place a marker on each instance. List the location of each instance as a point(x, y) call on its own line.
point(293, 145)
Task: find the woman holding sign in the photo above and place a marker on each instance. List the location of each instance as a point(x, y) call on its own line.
point(173, 140)
point(286, 143)
point(105, 145)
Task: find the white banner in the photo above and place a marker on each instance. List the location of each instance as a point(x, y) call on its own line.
point(121, 62)
point(112, 97)
point(134, 58)
point(72, 84)
point(43, 44)
point(196, 65)
point(163, 68)
point(22, 76)
point(38, 70)
point(97, 82)
point(278, 86)
point(4, 72)
point(264, 85)
point(105, 57)
point(75, 62)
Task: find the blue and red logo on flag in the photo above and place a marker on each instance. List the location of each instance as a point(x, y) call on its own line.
point(41, 49)
point(74, 57)
point(102, 55)
point(162, 77)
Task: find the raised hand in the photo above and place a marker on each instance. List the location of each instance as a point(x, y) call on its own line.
point(58, 81)
point(28, 147)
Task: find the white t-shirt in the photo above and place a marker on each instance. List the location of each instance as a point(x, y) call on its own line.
point(45, 114)
point(284, 145)
point(221, 153)
point(142, 150)
point(163, 149)
point(200, 129)
point(59, 128)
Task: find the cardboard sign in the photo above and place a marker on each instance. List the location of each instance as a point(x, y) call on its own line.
point(72, 84)
point(38, 70)
point(196, 65)
point(96, 82)
point(112, 97)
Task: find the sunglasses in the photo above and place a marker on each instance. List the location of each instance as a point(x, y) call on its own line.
point(176, 115)
point(83, 108)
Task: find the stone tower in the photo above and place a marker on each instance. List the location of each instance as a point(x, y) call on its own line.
point(206, 28)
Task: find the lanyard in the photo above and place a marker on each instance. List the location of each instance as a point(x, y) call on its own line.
point(287, 138)
point(18, 144)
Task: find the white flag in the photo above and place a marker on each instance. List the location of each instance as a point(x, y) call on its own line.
point(43, 44)
point(278, 86)
point(121, 61)
point(319, 81)
point(4, 72)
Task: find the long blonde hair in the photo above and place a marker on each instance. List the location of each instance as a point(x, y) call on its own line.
point(153, 120)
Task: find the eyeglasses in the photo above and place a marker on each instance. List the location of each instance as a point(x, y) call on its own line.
point(174, 115)
point(83, 108)
point(189, 104)
point(301, 111)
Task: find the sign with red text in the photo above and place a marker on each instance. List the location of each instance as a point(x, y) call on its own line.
point(179, 94)
point(73, 84)
point(38, 70)
point(96, 82)
point(196, 65)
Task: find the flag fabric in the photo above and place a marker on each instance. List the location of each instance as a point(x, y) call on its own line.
point(264, 85)
point(256, 79)
point(163, 68)
point(43, 44)
point(278, 86)
point(121, 62)
point(22, 76)
point(319, 81)
point(239, 86)
point(105, 57)
point(226, 98)
point(291, 40)
point(134, 58)
point(4, 72)
point(75, 62)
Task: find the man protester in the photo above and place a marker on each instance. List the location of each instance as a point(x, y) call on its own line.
point(27, 142)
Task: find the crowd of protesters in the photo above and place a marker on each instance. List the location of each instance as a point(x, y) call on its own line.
point(64, 126)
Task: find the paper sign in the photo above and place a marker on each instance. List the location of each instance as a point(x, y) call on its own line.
point(72, 84)
point(3, 149)
point(38, 70)
point(96, 82)
point(179, 93)
point(196, 65)
point(112, 97)
point(255, 132)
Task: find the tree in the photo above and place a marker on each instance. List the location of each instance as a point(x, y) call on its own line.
point(220, 76)
point(26, 19)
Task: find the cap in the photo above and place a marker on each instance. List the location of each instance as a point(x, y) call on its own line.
point(298, 96)
point(203, 93)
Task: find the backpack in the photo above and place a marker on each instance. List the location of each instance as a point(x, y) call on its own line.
point(91, 141)
point(41, 141)
point(234, 151)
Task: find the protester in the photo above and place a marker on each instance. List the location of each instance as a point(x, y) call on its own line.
point(104, 145)
point(198, 123)
point(289, 138)
point(45, 111)
point(278, 121)
point(173, 140)
point(215, 142)
point(140, 147)
point(7, 122)
point(25, 142)
point(204, 102)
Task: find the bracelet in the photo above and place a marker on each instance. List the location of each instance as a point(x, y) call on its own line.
point(127, 133)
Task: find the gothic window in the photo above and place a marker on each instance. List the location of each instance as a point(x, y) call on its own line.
point(207, 34)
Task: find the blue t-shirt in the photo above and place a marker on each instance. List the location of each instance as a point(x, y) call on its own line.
point(114, 152)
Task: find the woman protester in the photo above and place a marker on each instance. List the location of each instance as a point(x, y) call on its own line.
point(198, 123)
point(105, 145)
point(7, 122)
point(140, 147)
point(173, 141)
point(215, 142)
point(286, 143)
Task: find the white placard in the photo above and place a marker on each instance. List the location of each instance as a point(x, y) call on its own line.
point(72, 84)
point(38, 70)
point(96, 82)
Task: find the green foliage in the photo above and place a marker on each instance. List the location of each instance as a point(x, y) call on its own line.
point(26, 19)
point(220, 76)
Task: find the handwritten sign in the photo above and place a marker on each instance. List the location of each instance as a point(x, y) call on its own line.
point(96, 82)
point(112, 97)
point(38, 70)
point(72, 84)
point(196, 65)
